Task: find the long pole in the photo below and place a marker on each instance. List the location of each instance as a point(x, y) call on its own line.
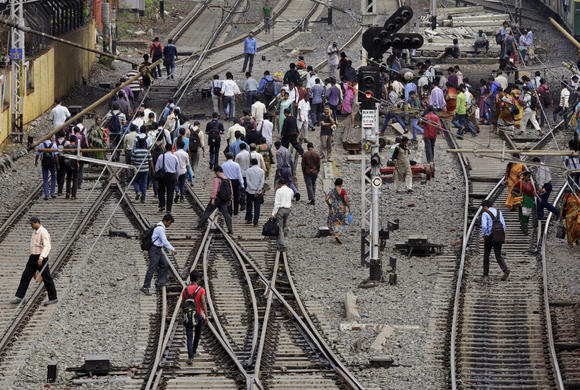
point(63, 41)
point(93, 105)
point(566, 33)
point(374, 255)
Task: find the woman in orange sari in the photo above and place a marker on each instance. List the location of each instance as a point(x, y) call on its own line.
point(512, 176)
point(451, 98)
point(571, 213)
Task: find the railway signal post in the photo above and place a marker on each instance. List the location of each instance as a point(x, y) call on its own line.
point(376, 41)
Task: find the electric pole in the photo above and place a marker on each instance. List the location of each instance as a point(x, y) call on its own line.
point(17, 69)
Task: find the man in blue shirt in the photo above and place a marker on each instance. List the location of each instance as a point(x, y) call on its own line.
point(487, 214)
point(233, 172)
point(169, 57)
point(157, 259)
point(166, 170)
point(249, 52)
point(235, 146)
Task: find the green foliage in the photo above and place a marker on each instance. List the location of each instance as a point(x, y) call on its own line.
point(106, 62)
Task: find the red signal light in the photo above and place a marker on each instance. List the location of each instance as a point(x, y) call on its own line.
point(369, 95)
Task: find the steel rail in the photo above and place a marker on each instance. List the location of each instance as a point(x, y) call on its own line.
point(187, 23)
point(460, 273)
point(27, 307)
point(156, 373)
point(303, 320)
point(266, 319)
point(188, 78)
point(161, 334)
point(549, 329)
point(267, 45)
point(19, 211)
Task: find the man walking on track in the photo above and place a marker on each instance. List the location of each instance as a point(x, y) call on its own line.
point(37, 262)
point(249, 52)
point(267, 10)
point(166, 170)
point(493, 233)
point(157, 259)
point(281, 211)
point(194, 292)
point(221, 197)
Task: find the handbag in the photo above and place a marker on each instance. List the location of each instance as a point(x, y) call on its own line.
point(270, 228)
point(160, 174)
point(561, 231)
point(518, 200)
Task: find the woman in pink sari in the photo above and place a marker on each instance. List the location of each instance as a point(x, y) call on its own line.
point(348, 98)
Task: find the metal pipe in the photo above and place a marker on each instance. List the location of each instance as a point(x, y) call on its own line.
point(518, 151)
point(63, 41)
point(565, 33)
point(92, 106)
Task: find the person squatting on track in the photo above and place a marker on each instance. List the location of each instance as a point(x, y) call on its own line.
point(193, 297)
point(157, 259)
point(40, 246)
point(493, 233)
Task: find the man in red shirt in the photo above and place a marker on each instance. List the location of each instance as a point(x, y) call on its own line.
point(432, 124)
point(195, 291)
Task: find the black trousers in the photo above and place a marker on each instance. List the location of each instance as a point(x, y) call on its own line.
point(60, 176)
point(487, 245)
point(214, 151)
point(31, 267)
point(72, 178)
point(167, 188)
point(292, 139)
point(236, 202)
point(253, 204)
point(223, 208)
point(193, 341)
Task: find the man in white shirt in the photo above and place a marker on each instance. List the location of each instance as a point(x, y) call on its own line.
point(281, 211)
point(266, 127)
point(243, 159)
point(229, 92)
point(183, 159)
point(231, 134)
point(303, 115)
point(310, 78)
point(39, 250)
point(258, 111)
point(254, 186)
point(564, 103)
point(59, 114)
point(332, 52)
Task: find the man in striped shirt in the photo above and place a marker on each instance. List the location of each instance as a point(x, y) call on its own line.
point(38, 261)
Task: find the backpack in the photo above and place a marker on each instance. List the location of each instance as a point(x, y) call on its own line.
point(157, 53)
point(146, 238)
point(156, 151)
point(547, 96)
point(189, 312)
point(115, 124)
point(534, 102)
point(270, 88)
point(497, 232)
point(217, 89)
point(247, 123)
point(213, 133)
point(225, 192)
point(194, 140)
point(48, 160)
point(498, 38)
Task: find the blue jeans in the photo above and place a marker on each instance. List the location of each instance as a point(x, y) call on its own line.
point(170, 68)
point(180, 186)
point(415, 128)
point(45, 172)
point(250, 99)
point(286, 173)
point(388, 119)
point(193, 340)
point(544, 204)
point(461, 121)
point(228, 102)
point(140, 184)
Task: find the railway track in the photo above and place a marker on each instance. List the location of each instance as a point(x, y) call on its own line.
point(22, 324)
point(498, 336)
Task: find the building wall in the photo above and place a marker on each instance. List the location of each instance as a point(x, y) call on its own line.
point(50, 75)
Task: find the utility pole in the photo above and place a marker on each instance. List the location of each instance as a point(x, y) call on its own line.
point(17, 70)
point(329, 6)
point(433, 14)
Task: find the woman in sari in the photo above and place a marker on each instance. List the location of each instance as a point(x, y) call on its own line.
point(283, 103)
point(348, 98)
point(337, 202)
point(516, 99)
point(571, 213)
point(512, 176)
point(524, 189)
point(266, 153)
point(96, 139)
point(451, 98)
point(482, 102)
